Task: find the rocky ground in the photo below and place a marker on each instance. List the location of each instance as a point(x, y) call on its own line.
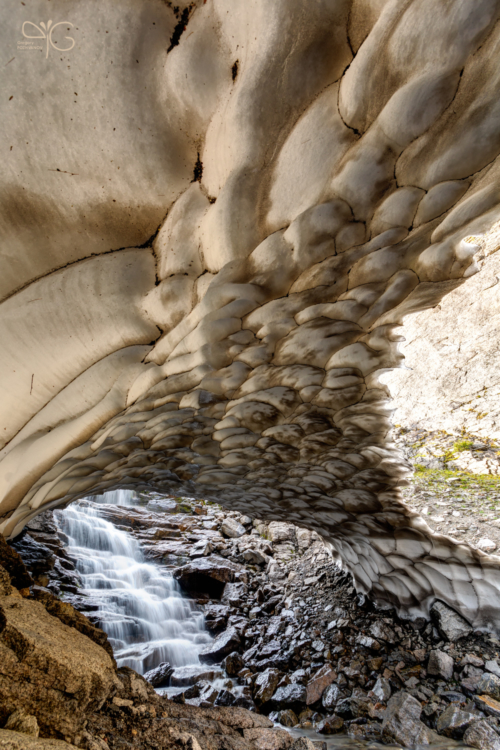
point(294, 644)
point(456, 485)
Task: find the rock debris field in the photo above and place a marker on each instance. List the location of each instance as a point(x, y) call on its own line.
point(293, 642)
point(456, 485)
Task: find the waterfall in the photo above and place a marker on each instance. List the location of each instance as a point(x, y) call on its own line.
point(139, 604)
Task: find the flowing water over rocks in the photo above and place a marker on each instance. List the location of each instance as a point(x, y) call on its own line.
point(139, 604)
point(273, 624)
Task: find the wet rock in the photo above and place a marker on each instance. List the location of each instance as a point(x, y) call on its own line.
point(289, 695)
point(287, 718)
point(317, 684)
point(225, 698)
point(221, 646)
point(184, 676)
point(330, 725)
point(207, 692)
point(20, 721)
point(268, 739)
point(381, 691)
point(232, 529)
point(368, 642)
point(267, 682)
point(209, 574)
point(353, 707)
point(482, 736)
point(440, 664)
point(489, 684)
point(233, 663)
point(331, 696)
point(451, 625)
point(304, 743)
point(299, 676)
point(402, 722)
point(216, 616)
point(160, 676)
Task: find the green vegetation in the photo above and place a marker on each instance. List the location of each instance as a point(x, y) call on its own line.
point(462, 445)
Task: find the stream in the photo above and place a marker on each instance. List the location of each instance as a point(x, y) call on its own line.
point(140, 606)
point(147, 618)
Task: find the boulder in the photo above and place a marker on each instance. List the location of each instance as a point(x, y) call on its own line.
point(20, 721)
point(304, 743)
point(489, 705)
point(381, 691)
point(232, 529)
point(331, 696)
point(233, 663)
point(12, 562)
point(492, 666)
point(225, 698)
point(50, 670)
point(201, 549)
point(382, 632)
point(290, 695)
point(67, 614)
point(330, 725)
point(268, 739)
point(235, 594)
point(10, 740)
point(279, 531)
point(287, 718)
point(160, 676)
point(266, 682)
point(317, 684)
point(489, 684)
point(368, 642)
point(221, 646)
point(482, 736)
point(216, 617)
point(255, 557)
point(453, 722)
point(353, 707)
point(451, 625)
point(402, 722)
point(209, 575)
point(185, 676)
point(440, 664)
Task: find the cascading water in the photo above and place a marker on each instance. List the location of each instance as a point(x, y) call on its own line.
point(140, 605)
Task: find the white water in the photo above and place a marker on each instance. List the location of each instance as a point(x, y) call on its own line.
point(141, 608)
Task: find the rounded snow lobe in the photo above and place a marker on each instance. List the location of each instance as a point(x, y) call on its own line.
point(212, 234)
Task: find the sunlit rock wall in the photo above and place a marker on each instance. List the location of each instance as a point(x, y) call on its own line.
point(452, 356)
point(214, 218)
